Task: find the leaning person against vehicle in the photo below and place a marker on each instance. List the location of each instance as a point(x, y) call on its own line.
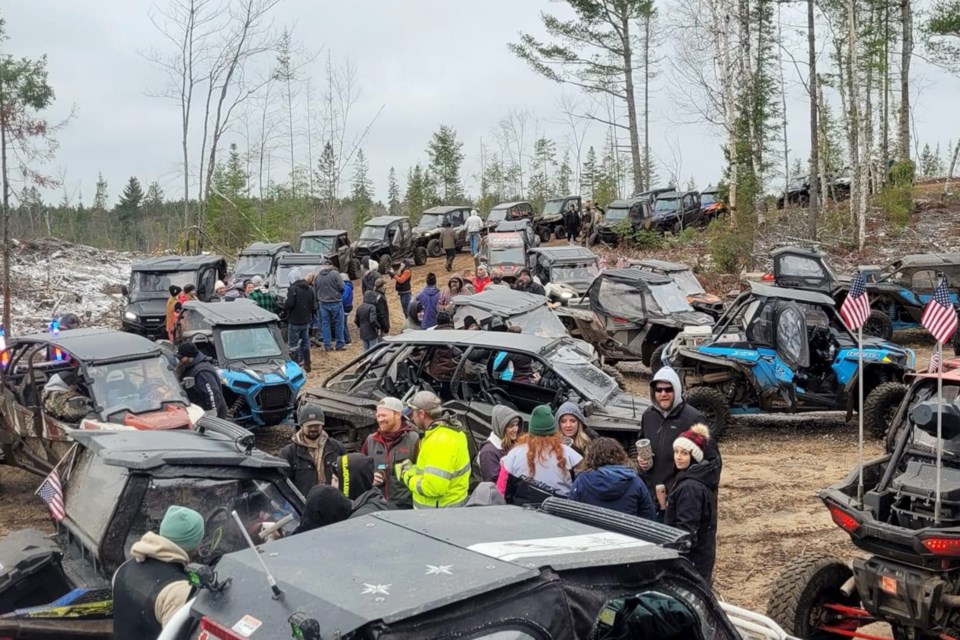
point(206, 390)
point(441, 476)
point(663, 423)
point(392, 443)
point(150, 587)
point(62, 400)
point(312, 452)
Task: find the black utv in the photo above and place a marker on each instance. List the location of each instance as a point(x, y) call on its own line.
point(259, 259)
point(427, 231)
point(508, 211)
point(334, 244)
point(621, 216)
point(385, 239)
point(908, 570)
point(149, 289)
point(550, 221)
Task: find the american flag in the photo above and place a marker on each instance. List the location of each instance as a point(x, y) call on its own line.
point(856, 306)
point(935, 360)
point(51, 493)
point(939, 316)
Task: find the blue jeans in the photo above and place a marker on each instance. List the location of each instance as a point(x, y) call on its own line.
point(474, 241)
point(370, 344)
point(346, 328)
point(298, 337)
point(404, 301)
point(331, 318)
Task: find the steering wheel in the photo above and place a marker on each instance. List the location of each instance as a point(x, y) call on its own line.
point(212, 535)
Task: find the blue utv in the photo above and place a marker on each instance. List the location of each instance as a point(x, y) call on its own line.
point(260, 381)
point(787, 351)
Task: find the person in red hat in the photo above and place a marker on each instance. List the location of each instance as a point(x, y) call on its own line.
point(692, 497)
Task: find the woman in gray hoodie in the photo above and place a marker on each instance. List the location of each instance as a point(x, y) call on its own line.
point(504, 431)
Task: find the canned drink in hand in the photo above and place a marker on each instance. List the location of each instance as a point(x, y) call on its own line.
point(567, 440)
point(644, 449)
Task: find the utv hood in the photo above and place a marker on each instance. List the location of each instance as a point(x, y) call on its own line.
point(149, 308)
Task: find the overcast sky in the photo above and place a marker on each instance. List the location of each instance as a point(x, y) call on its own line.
point(426, 62)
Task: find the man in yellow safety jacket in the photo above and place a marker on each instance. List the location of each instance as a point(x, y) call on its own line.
point(441, 475)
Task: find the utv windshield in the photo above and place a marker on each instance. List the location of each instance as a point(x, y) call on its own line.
point(687, 282)
point(137, 386)
point(615, 215)
point(496, 215)
point(283, 272)
point(252, 266)
point(321, 245)
point(506, 255)
point(539, 322)
point(552, 207)
point(666, 205)
point(158, 283)
point(250, 343)
point(707, 199)
point(430, 221)
point(670, 298)
point(582, 375)
point(373, 233)
point(574, 272)
point(255, 501)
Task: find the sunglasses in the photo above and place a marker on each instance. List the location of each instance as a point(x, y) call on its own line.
point(664, 389)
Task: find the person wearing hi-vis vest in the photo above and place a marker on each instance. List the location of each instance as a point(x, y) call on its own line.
point(441, 475)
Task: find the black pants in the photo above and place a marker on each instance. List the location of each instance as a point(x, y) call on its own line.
point(451, 253)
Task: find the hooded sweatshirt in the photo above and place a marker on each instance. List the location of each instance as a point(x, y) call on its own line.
point(491, 451)
point(174, 595)
point(447, 295)
point(328, 285)
point(663, 427)
point(325, 505)
point(311, 461)
point(430, 297)
point(300, 303)
point(586, 434)
point(366, 317)
point(692, 506)
point(614, 487)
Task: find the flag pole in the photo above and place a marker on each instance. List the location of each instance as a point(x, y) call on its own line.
point(68, 454)
point(860, 412)
point(936, 508)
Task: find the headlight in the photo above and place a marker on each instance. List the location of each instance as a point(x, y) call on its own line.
point(566, 295)
point(129, 315)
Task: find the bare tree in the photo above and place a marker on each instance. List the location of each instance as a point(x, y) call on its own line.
point(511, 134)
point(572, 113)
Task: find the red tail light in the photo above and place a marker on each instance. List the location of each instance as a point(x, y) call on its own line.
point(843, 519)
point(210, 630)
point(942, 545)
point(768, 277)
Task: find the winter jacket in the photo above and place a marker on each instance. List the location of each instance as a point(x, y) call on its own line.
point(328, 285)
point(366, 317)
point(430, 297)
point(150, 587)
point(370, 502)
point(402, 280)
point(447, 295)
point(587, 435)
point(441, 476)
point(389, 450)
point(692, 506)
point(369, 280)
point(491, 451)
point(474, 223)
point(614, 487)
point(206, 390)
point(663, 428)
point(302, 458)
point(530, 287)
point(171, 314)
point(479, 283)
point(324, 505)
point(347, 296)
point(448, 238)
point(300, 303)
point(547, 479)
point(383, 313)
point(571, 220)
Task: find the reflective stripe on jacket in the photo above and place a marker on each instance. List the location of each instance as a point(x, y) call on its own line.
point(441, 477)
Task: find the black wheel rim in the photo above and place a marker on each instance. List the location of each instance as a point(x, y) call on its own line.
point(873, 327)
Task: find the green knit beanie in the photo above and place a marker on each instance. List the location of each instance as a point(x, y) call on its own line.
point(183, 527)
point(542, 422)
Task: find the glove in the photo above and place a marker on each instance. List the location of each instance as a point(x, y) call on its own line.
point(401, 468)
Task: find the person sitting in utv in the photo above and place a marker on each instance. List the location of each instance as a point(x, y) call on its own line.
point(206, 390)
point(63, 400)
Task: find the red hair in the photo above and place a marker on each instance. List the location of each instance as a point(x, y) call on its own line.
point(538, 448)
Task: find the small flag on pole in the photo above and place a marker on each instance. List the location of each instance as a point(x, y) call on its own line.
point(856, 306)
point(51, 493)
point(934, 360)
point(939, 316)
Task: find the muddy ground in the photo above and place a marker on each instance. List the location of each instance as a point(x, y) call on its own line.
point(773, 467)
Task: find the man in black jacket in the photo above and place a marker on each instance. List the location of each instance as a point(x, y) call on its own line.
point(527, 284)
point(311, 453)
point(663, 423)
point(300, 304)
point(366, 320)
point(206, 390)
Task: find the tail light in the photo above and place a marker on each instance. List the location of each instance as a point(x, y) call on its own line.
point(768, 277)
point(210, 630)
point(942, 545)
point(843, 519)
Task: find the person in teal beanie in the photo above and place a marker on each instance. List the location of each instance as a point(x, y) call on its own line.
point(540, 465)
point(152, 585)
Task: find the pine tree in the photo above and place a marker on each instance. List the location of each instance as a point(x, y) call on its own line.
point(564, 175)
point(588, 175)
point(327, 178)
point(100, 196)
point(540, 187)
point(128, 213)
point(446, 158)
point(393, 193)
point(414, 196)
point(362, 190)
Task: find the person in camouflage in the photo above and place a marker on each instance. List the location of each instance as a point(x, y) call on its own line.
point(63, 401)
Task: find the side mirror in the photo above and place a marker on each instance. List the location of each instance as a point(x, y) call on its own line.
point(188, 382)
point(124, 290)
